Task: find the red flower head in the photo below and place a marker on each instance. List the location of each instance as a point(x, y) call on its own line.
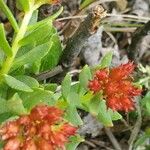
point(60, 134)
point(117, 87)
point(94, 85)
point(43, 129)
point(122, 72)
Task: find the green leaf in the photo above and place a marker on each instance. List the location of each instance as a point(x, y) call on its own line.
point(50, 87)
point(29, 81)
point(73, 116)
point(4, 45)
point(38, 35)
point(74, 141)
point(66, 86)
point(114, 115)
point(85, 3)
point(141, 140)
point(34, 18)
point(52, 58)
point(73, 99)
point(146, 102)
point(16, 84)
point(5, 116)
point(23, 5)
point(86, 99)
point(94, 104)
point(2, 57)
point(34, 68)
point(3, 91)
point(32, 56)
point(36, 97)
point(85, 76)
point(104, 116)
point(2, 144)
point(15, 105)
point(9, 15)
point(3, 106)
point(106, 60)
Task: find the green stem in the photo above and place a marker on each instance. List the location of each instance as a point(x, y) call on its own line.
point(15, 45)
point(9, 15)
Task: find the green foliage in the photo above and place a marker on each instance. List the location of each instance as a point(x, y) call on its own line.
point(66, 85)
point(106, 60)
point(146, 103)
point(44, 30)
point(9, 15)
point(85, 76)
point(73, 116)
point(16, 84)
point(50, 87)
point(73, 99)
point(52, 57)
point(85, 3)
point(15, 105)
point(114, 115)
point(4, 45)
point(29, 81)
point(5, 116)
point(23, 5)
point(38, 96)
point(145, 78)
point(142, 139)
point(32, 56)
point(94, 105)
point(103, 115)
point(3, 106)
point(74, 142)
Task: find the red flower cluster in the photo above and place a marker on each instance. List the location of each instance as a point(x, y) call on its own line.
point(43, 129)
point(117, 87)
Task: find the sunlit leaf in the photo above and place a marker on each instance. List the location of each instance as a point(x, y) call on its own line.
point(32, 56)
point(74, 141)
point(106, 60)
point(66, 86)
point(73, 116)
point(104, 116)
point(36, 97)
point(85, 76)
point(15, 105)
point(16, 84)
point(29, 81)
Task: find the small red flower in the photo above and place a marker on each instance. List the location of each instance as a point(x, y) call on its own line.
point(12, 144)
point(94, 85)
point(49, 114)
point(43, 129)
point(44, 145)
point(59, 135)
point(122, 72)
point(117, 87)
point(29, 144)
point(102, 74)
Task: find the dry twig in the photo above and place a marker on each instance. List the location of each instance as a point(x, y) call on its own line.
point(136, 128)
point(48, 74)
point(112, 139)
